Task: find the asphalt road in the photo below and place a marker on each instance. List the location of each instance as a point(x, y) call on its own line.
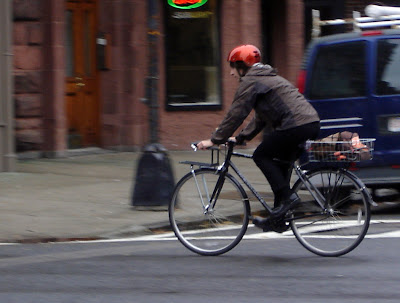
point(159, 269)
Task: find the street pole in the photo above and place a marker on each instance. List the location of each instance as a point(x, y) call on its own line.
point(153, 34)
point(154, 168)
point(7, 148)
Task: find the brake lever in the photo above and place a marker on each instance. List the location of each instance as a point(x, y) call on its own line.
point(194, 146)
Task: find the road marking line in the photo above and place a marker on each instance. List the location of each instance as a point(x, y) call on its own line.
point(390, 234)
point(170, 236)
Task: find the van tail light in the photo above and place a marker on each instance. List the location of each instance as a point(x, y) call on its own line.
point(395, 166)
point(301, 81)
point(372, 33)
point(353, 166)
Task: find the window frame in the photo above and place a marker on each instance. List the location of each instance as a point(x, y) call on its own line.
point(194, 106)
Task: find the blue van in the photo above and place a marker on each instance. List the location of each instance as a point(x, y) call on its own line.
point(353, 81)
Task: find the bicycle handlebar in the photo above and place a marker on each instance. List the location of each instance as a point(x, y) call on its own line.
point(193, 145)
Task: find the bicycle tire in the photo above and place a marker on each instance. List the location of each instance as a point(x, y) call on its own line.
point(217, 230)
point(341, 225)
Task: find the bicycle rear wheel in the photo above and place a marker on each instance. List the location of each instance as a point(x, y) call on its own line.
point(339, 226)
point(201, 227)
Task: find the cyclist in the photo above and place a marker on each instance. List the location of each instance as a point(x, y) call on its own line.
point(287, 118)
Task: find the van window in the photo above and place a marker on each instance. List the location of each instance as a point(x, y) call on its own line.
point(339, 71)
point(388, 67)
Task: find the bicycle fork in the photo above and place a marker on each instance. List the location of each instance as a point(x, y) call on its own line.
point(209, 205)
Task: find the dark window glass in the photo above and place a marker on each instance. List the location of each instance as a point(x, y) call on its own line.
point(388, 67)
point(193, 57)
point(339, 71)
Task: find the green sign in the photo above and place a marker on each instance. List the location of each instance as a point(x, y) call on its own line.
point(186, 4)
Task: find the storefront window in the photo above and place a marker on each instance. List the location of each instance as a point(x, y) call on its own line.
point(192, 50)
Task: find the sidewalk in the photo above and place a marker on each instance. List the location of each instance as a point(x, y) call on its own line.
point(86, 197)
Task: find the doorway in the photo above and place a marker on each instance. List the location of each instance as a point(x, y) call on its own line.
point(82, 104)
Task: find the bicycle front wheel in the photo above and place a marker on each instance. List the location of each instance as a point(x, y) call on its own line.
point(338, 226)
point(204, 228)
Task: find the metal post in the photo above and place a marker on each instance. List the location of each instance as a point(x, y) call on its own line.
point(316, 24)
point(152, 83)
point(356, 27)
point(154, 169)
point(7, 149)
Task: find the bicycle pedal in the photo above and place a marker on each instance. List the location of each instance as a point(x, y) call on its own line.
point(280, 226)
point(266, 224)
point(262, 223)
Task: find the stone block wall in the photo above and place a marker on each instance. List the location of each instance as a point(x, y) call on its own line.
point(124, 117)
point(28, 64)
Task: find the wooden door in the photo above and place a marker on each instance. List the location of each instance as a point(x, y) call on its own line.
point(82, 105)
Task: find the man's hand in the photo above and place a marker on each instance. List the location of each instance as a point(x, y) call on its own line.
point(204, 144)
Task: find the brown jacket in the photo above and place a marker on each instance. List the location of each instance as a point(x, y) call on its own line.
point(277, 104)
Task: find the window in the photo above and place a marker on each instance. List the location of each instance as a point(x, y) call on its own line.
point(192, 50)
point(388, 67)
point(339, 71)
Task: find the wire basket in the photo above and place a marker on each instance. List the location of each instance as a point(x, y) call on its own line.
point(355, 150)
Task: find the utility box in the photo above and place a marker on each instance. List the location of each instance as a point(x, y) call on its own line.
point(154, 178)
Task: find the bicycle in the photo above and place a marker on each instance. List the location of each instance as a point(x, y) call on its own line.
point(210, 211)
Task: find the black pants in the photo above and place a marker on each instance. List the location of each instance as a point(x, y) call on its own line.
point(276, 154)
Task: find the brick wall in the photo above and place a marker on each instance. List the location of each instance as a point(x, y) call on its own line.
point(28, 63)
point(124, 116)
point(287, 41)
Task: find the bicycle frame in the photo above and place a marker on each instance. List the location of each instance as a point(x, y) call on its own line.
point(228, 163)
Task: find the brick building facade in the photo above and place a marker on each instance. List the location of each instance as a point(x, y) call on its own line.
point(75, 93)
point(28, 40)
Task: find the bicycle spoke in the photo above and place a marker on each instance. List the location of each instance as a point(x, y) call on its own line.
point(342, 201)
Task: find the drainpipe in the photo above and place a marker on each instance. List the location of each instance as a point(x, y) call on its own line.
point(7, 149)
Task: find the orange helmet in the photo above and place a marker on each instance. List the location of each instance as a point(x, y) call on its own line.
point(247, 53)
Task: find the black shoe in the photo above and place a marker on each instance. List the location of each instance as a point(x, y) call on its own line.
point(293, 200)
